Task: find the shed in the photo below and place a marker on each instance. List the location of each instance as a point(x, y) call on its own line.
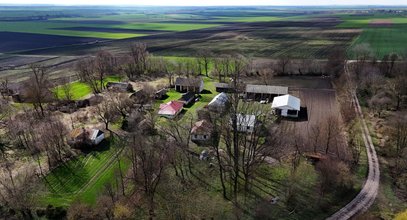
point(187, 98)
point(224, 87)
point(189, 84)
point(287, 105)
point(264, 92)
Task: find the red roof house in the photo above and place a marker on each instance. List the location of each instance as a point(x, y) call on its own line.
point(170, 109)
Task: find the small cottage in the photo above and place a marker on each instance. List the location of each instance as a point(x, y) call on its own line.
point(201, 131)
point(81, 137)
point(170, 109)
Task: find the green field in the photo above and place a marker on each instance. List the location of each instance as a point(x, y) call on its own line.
point(382, 38)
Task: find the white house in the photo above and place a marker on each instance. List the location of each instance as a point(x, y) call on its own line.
point(245, 123)
point(97, 136)
point(287, 106)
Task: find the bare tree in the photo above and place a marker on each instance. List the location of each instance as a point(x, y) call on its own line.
point(205, 60)
point(400, 140)
point(283, 64)
point(106, 113)
point(138, 60)
point(331, 132)
point(336, 62)
point(398, 88)
point(17, 192)
point(362, 53)
point(148, 158)
point(86, 72)
point(38, 88)
point(105, 64)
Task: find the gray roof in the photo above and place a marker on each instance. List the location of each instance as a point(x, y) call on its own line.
point(196, 82)
point(222, 85)
point(264, 89)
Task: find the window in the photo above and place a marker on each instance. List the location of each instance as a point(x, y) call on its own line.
point(204, 136)
point(195, 136)
point(248, 127)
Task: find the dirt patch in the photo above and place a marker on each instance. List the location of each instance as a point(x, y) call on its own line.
point(381, 23)
point(320, 106)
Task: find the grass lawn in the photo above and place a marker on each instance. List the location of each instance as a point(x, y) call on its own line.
point(81, 178)
point(80, 89)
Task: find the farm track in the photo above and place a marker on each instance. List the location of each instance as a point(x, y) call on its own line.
point(367, 195)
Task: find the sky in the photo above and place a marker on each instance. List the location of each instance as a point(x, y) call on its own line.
point(208, 2)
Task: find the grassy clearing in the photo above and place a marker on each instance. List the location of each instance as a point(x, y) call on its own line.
point(79, 89)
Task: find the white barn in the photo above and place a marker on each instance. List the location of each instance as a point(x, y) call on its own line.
point(286, 106)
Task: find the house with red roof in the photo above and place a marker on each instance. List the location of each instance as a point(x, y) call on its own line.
point(170, 109)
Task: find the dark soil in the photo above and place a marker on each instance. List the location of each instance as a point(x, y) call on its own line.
point(13, 41)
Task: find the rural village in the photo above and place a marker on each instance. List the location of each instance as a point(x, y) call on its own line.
point(136, 134)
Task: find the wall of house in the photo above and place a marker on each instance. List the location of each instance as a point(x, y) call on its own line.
point(200, 137)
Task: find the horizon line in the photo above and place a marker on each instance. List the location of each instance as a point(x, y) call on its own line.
point(145, 5)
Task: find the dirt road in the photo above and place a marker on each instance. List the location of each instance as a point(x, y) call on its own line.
point(368, 194)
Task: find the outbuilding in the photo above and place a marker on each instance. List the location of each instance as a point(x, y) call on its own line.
point(286, 106)
point(195, 85)
point(264, 92)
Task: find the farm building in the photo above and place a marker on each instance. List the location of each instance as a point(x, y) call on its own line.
point(245, 123)
point(201, 131)
point(219, 102)
point(81, 137)
point(187, 98)
point(160, 94)
point(286, 106)
point(264, 92)
point(170, 109)
point(189, 85)
point(119, 87)
point(223, 87)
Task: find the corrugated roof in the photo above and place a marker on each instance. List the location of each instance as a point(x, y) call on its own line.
point(188, 81)
point(202, 127)
point(170, 108)
point(264, 89)
point(219, 100)
point(286, 102)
